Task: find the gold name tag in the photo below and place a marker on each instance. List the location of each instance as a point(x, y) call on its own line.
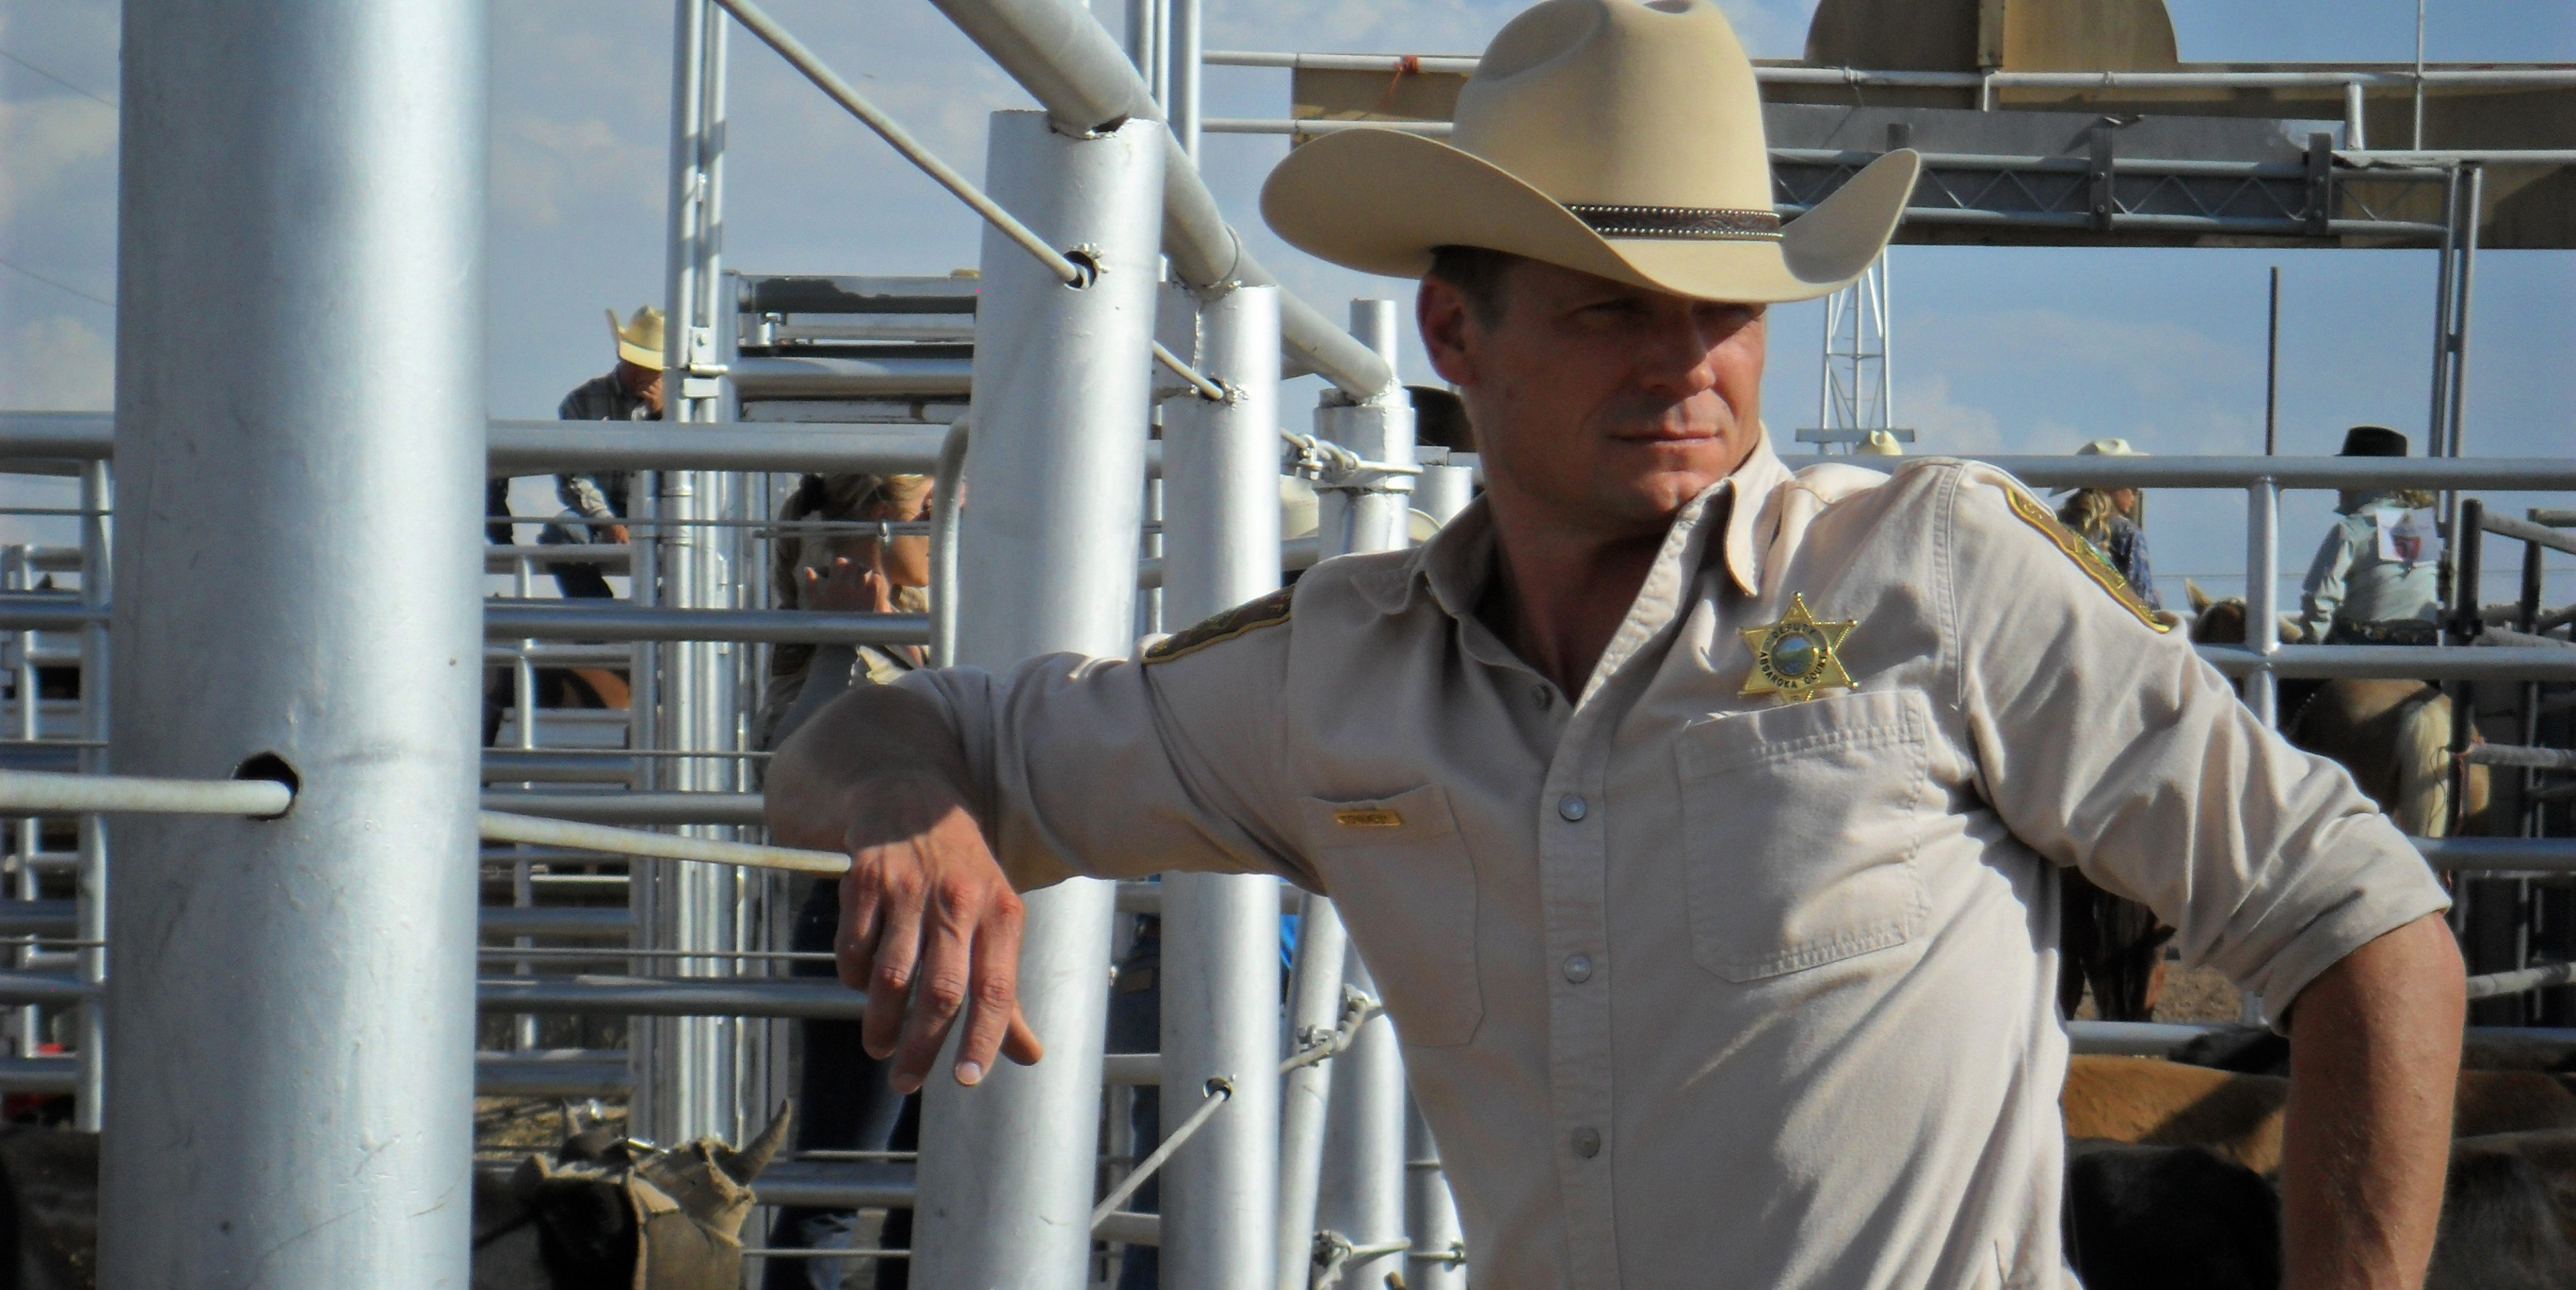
point(1368, 819)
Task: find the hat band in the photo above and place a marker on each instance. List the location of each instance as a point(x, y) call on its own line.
point(1690, 223)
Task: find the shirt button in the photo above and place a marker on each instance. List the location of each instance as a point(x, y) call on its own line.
point(1578, 969)
point(1540, 696)
point(1570, 806)
point(1587, 1143)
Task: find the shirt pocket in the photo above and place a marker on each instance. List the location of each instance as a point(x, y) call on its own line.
point(1801, 824)
point(1407, 890)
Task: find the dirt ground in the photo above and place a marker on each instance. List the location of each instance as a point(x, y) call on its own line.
point(2197, 995)
point(520, 1126)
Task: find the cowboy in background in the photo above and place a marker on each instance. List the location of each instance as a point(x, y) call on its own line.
point(2113, 520)
point(632, 391)
point(2377, 576)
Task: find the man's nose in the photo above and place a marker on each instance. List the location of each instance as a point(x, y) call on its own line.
point(1677, 357)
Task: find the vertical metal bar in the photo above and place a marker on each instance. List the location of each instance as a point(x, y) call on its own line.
point(90, 904)
point(1314, 1008)
point(1430, 1212)
point(2262, 625)
point(1221, 931)
point(2356, 126)
point(1370, 513)
point(312, 174)
point(2272, 373)
point(19, 574)
point(1886, 341)
point(2463, 282)
point(2468, 546)
point(1140, 36)
point(1061, 392)
point(2437, 417)
point(1186, 55)
point(523, 675)
point(2418, 139)
point(1363, 1190)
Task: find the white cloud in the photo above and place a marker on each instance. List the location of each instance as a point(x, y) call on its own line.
point(58, 364)
point(1943, 427)
point(540, 164)
point(2152, 358)
point(49, 142)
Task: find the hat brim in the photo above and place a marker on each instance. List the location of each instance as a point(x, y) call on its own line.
point(1380, 200)
point(650, 360)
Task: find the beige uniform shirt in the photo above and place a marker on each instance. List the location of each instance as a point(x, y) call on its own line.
point(1695, 988)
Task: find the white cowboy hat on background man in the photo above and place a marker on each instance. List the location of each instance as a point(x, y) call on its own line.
point(639, 341)
point(2100, 448)
point(1618, 138)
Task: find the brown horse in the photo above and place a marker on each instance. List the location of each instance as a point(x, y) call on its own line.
point(2393, 736)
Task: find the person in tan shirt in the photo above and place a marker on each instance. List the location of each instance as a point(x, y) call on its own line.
point(1698, 819)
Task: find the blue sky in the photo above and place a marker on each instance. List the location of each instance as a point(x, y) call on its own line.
point(1995, 350)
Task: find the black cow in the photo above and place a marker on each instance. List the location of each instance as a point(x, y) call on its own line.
point(2159, 1218)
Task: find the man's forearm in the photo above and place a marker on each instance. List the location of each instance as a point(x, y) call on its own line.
point(870, 734)
point(2374, 1056)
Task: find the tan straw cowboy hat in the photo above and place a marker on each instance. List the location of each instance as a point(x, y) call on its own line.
point(1618, 138)
point(639, 341)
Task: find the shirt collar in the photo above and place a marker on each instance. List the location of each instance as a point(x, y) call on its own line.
point(1455, 564)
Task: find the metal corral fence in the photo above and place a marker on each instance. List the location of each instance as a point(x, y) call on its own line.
point(289, 699)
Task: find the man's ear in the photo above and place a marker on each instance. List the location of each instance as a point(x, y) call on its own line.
point(1441, 311)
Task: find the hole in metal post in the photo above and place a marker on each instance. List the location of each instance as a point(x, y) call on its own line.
point(275, 769)
point(1086, 260)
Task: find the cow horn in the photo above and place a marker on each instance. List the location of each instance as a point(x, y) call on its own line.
point(744, 1165)
point(2200, 601)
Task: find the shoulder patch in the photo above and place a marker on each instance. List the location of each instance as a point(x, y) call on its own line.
point(1268, 611)
point(2085, 556)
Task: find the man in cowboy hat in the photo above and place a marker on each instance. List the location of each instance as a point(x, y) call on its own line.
point(1698, 820)
point(632, 391)
point(2377, 576)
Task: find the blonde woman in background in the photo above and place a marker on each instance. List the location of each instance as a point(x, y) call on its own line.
point(2114, 520)
point(844, 1102)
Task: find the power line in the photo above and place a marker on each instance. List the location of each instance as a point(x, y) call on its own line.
point(57, 80)
point(57, 285)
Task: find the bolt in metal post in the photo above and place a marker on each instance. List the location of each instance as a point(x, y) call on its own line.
point(1221, 931)
point(1363, 1192)
point(1047, 561)
point(2262, 624)
point(1430, 1213)
point(298, 992)
point(97, 498)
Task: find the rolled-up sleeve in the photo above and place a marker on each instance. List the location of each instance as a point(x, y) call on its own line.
point(2107, 745)
point(1097, 768)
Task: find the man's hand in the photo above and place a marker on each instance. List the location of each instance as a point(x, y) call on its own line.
point(930, 927)
point(617, 533)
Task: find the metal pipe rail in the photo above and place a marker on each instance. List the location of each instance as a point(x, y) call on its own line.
point(2552, 662)
point(30, 792)
point(1465, 64)
point(1219, 1092)
point(809, 998)
point(629, 808)
point(497, 826)
point(1074, 68)
point(2495, 985)
point(567, 620)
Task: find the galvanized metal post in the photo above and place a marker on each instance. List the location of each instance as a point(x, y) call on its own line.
point(2472, 197)
point(98, 493)
point(1048, 563)
point(1364, 1186)
point(299, 337)
point(1366, 513)
point(2262, 626)
point(1220, 966)
point(1369, 513)
point(1430, 1213)
point(690, 1085)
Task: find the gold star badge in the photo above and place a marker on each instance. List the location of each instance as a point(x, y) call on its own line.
point(1794, 657)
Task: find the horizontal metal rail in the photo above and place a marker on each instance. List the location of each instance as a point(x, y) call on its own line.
point(810, 998)
point(2514, 474)
point(2517, 755)
point(2498, 984)
point(630, 808)
point(60, 918)
point(2554, 662)
point(542, 1074)
point(29, 792)
point(497, 826)
point(621, 621)
point(2523, 855)
point(1773, 74)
